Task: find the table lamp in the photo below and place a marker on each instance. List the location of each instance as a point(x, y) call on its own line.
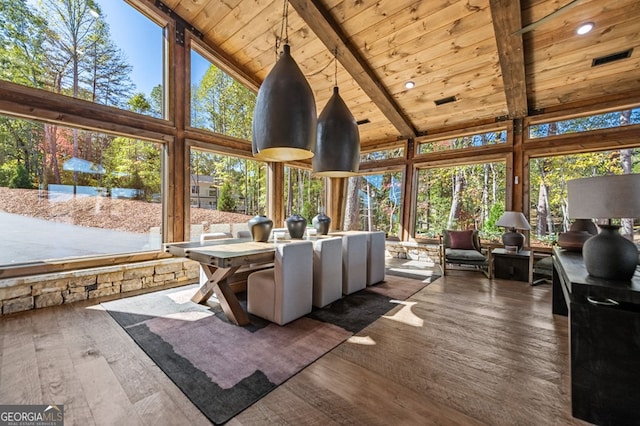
point(513, 221)
point(608, 254)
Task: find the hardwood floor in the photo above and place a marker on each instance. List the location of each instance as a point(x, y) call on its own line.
point(465, 350)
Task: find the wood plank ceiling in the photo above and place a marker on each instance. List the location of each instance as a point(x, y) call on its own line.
point(466, 50)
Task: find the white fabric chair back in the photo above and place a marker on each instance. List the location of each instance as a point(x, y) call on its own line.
point(354, 262)
point(284, 293)
point(327, 271)
point(375, 257)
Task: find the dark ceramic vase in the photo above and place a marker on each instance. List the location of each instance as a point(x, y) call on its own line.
point(260, 228)
point(609, 255)
point(579, 232)
point(296, 225)
point(321, 223)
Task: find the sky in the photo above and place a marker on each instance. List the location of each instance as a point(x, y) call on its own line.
point(141, 41)
point(139, 38)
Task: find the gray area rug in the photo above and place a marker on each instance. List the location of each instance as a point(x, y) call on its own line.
point(223, 368)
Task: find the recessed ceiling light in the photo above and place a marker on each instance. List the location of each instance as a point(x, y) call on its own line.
point(585, 28)
point(409, 85)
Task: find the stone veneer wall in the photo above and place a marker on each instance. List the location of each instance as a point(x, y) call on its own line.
point(57, 288)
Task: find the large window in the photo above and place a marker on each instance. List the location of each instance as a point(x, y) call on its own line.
point(460, 197)
point(70, 192)
point(463, 142)
point(84, 49)
point(218, 102)
point(374, 203)
point(226, 192)
point(586, 124)
point(303, 194)
point(549, 176)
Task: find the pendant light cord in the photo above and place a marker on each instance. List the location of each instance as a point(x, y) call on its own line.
point(284, 27)
point(335, 61)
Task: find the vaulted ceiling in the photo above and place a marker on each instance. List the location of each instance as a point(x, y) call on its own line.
point(469, 52)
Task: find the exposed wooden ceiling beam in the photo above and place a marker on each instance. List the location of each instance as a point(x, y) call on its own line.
point(329, 32)
point(507, 20)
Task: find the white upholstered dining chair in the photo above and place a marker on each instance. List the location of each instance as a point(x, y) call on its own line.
point(375, 257)
point(354, 262)
point(327, 271)
point(285, 292)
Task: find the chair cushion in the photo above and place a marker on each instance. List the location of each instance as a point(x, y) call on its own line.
point(464, 255)
point(462, 240)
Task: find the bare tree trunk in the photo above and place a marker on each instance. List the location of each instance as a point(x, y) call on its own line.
point(369, 209)
point(457, 188)
point(352, 208)
point(484, 214)
point(300, 184)
point(289, 210)
point(541, 211)
point(51, 131)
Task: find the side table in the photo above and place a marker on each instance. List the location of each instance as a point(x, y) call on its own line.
point(511, 265)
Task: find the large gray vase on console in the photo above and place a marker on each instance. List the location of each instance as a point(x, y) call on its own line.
point(599, 250)
point(296, 225)
point(260, 228)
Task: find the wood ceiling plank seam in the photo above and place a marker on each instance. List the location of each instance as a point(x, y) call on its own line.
point(269, 27)
point(204, 18)
point(624, 78)
point(239, 17)
point(484, 63)
point(534, 11)
point(574, 64)
point(584, 70)
point(186, 8)
point(409, 43)
point(433, 19)
point(325, 27)
point(605, 19)
point(506, 20)
point(589, 49)
point(582, 93)
point(443, 48)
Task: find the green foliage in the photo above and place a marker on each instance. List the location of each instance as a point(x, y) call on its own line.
point(303, 193)
point(460, 197)
point(7, 171)
point(139, 103)
point(222, 105)
point(226, 202)
point(494, 214)
point(20, 178)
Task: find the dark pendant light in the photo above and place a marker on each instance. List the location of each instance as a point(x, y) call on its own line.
point(284, 118)
point(338, 142)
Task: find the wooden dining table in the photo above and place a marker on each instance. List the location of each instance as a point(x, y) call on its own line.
point(220, 260)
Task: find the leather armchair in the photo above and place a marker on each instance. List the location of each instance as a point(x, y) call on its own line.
point(456, 250)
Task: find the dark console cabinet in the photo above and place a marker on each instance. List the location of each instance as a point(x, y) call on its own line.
point(605, 341)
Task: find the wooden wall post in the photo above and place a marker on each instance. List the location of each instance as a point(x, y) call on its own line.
point(518, 168)
point(335, 199)
point(178, 222)
point(407, 224)
point(275, 191)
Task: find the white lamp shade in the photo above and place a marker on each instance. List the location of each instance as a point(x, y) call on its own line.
point(604, 197)
point(515, 220)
